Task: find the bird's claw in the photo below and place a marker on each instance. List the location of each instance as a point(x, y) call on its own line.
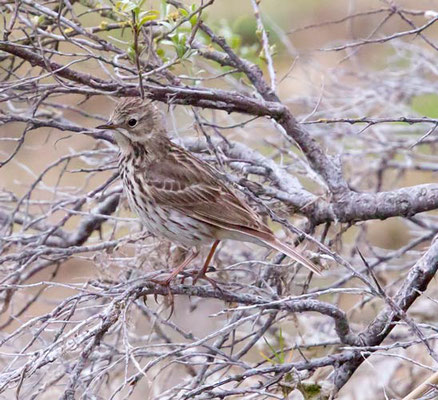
point(202, 275)
point(166, 283)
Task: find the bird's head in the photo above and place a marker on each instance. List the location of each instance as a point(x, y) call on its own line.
point(135, 120)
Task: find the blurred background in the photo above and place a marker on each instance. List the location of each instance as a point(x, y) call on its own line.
point(336, 63)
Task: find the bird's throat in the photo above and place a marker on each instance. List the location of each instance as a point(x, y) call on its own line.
point(151, 147)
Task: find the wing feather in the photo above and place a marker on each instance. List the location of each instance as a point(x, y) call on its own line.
point(183, 182)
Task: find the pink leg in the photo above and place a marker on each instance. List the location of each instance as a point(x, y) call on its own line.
point(192, 255)
point(201, 273)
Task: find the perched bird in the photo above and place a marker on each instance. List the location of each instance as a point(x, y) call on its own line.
point(179, 196)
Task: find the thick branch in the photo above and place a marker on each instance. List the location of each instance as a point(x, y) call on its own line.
point(353, 206)
point(208, 98)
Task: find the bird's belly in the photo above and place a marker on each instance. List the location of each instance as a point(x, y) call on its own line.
point(171, 224)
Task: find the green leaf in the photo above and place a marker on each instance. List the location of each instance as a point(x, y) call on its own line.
point(269, 345)
point(194, 20)
point(235, 42)
point(281, 344)
point(146, 16)
point(174, 39)
point(126, 6)
point(270, 360)
point(180, 50)
point(183, 12)
point(279, 356)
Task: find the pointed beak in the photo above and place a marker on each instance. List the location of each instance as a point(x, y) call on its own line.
point(108, 125)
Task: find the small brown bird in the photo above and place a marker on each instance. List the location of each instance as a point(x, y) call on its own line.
point(179, 196)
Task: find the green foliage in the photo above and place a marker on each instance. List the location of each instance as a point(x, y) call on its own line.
point(172, 44)
point(238, 41)
point(246, 26)
point(245, 39)
point(272, 52)
point(179, 25)
point(308, 390)
point(193, 19)
point(38, 20)
point(130, 8)
point(279, 358)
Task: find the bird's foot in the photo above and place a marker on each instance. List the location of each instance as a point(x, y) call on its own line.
point(162, 282)
point(203, 275)
point(170, 297)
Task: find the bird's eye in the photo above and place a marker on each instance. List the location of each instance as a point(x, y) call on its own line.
point(132, 122)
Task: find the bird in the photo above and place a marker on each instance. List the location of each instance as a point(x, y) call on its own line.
point(179, 196)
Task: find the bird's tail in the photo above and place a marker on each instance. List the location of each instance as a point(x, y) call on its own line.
point(291, 253)
point(266, 238)
point(269, 240)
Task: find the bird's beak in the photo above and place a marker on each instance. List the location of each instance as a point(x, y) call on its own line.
point(108, 125)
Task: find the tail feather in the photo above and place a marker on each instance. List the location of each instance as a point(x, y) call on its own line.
point(291, 253)
point(269, 240)
point(265, 237)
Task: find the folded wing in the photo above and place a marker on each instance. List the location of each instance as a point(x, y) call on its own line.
point(183, 182)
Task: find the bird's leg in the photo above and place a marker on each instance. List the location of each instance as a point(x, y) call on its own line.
point(201, 273)
point(191, 256)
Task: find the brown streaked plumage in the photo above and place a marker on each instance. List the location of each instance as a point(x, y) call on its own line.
point(176, 194)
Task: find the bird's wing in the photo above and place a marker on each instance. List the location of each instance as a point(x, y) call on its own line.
point(182, 181)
